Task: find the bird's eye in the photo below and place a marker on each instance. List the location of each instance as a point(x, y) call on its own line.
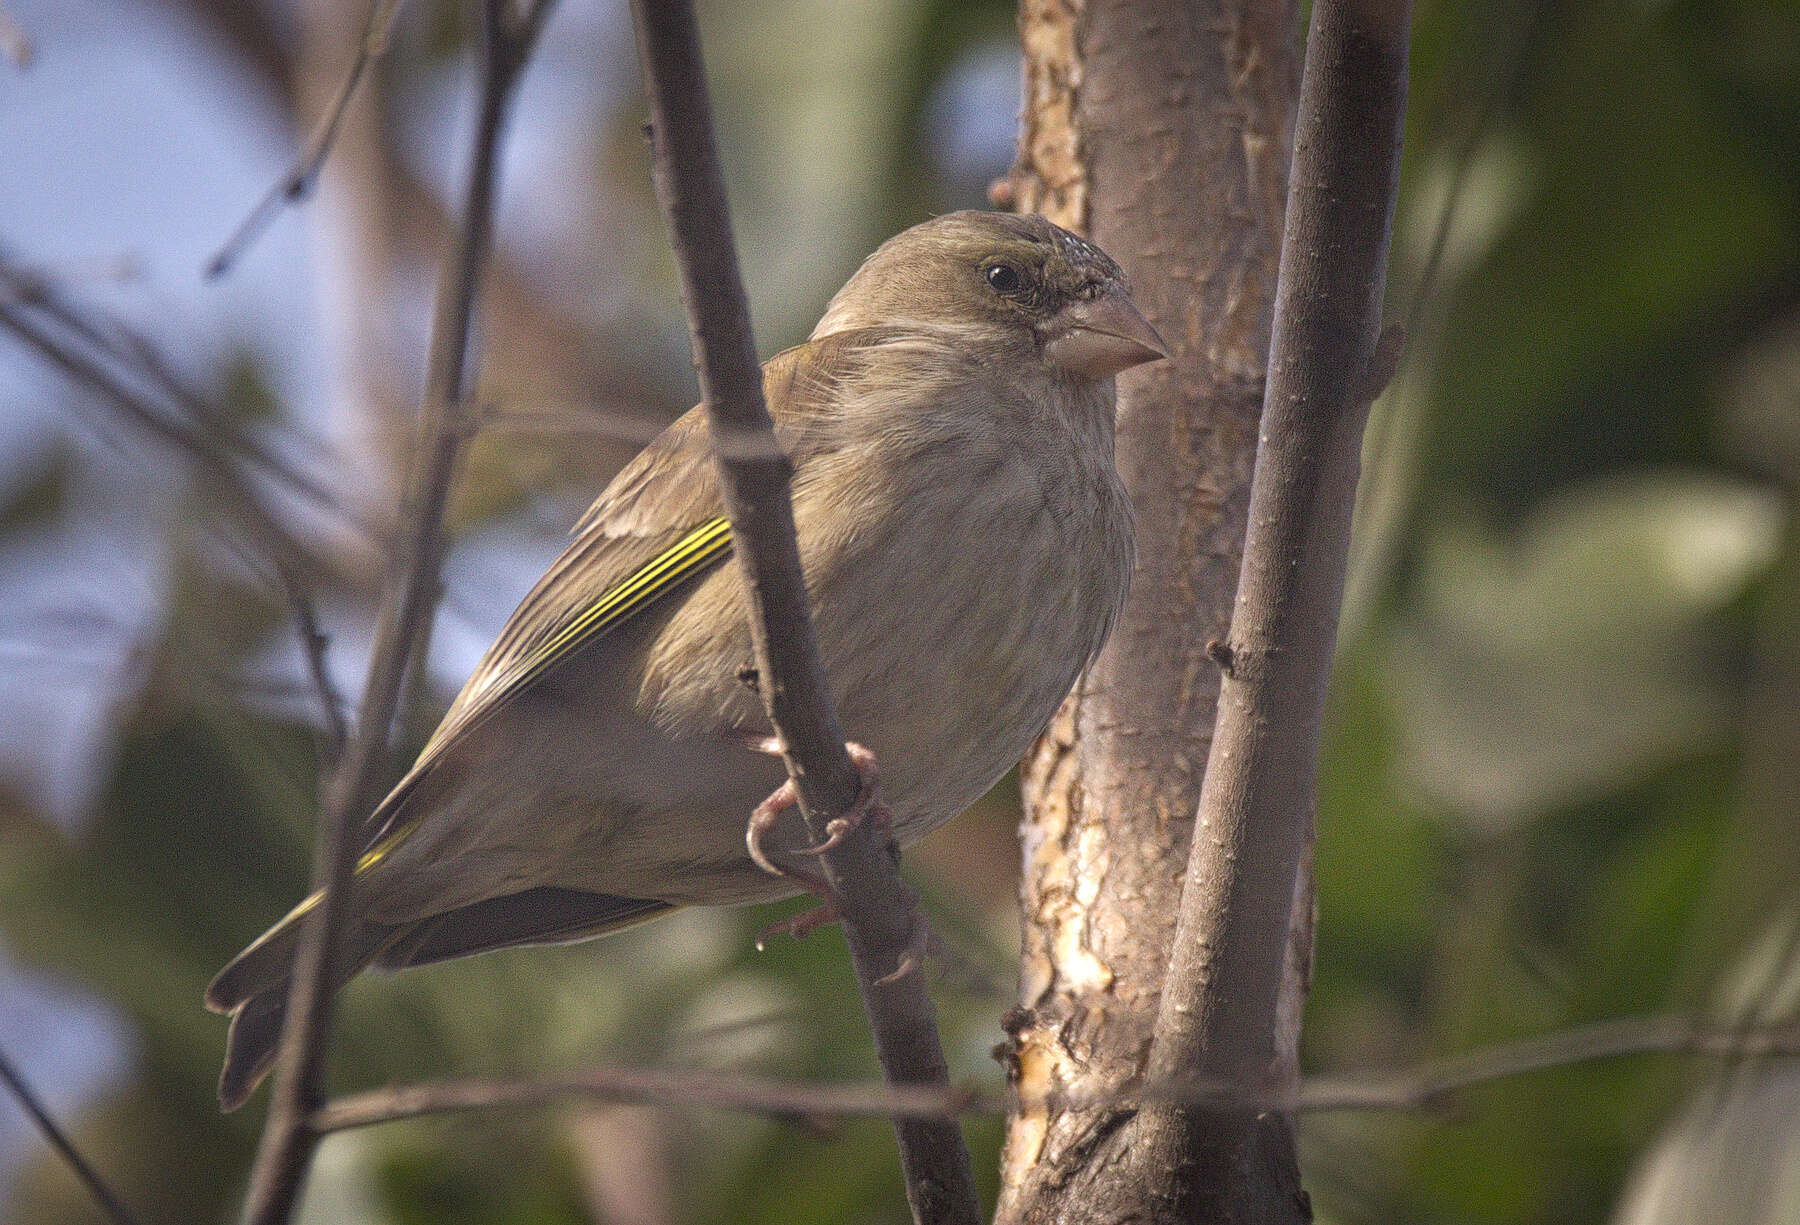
point(1005, 279)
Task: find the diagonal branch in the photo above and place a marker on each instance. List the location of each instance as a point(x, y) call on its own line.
point(285, 556)
point(298, 182)
point(1325, 366)
point(1220, 1011)
point(103, 1194)
point(288, 1138)
point(876, 905)
point(135, 354)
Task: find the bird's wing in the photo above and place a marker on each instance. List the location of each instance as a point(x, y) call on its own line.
point(658, 524)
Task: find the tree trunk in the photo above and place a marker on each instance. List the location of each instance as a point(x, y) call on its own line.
point(1162, 130)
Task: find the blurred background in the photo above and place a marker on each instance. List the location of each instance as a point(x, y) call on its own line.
point(1562, 778)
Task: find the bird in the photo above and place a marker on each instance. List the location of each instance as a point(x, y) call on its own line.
point(967, 546)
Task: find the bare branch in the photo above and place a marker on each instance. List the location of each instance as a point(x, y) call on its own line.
point(876, 905)
point(1160, 129)
point(286, 557)
point(288, 1139)
point(1422, 1088)
point(1430, 1084)
point(660, 1086)
point(137, 354)
point(1325, 360)
point(1218, 1016)
point(298, 183)
point(104, 1195)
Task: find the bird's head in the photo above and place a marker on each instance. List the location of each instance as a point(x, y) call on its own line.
point(1018, 279)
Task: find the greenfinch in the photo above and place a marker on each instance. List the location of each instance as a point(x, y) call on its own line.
point(967, 545)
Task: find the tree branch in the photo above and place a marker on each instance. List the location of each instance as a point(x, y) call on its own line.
point(1218, 1005)
point(286, 557)
point(1420, 1088)
point(660, 1086)
point(876, 905)
point(288, 1139)
point(297, 184)
point(103, 1194)
point(1159, 128)
point(1432, 1083)
point(134, 353)
point(1218, 1015)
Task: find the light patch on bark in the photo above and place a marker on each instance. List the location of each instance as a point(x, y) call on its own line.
point(1050, 144)
point(1067, 872)
point(1035, 1071)
point(1067, 860)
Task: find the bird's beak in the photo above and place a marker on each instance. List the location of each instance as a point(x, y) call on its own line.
point(1102, 336)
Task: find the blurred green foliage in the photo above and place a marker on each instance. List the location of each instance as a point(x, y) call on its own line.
point(1559, 782)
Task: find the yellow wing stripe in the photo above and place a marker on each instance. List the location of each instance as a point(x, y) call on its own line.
point(655, 578)
point(702, 545)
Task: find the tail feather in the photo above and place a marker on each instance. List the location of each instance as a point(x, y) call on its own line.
point(545, 915)
point(254, 987)
point(254, 990)
point(265, 963)
point(251, 1045)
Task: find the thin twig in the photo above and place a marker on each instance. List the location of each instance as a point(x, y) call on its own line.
point(660, 1086)
point(1431, 1083)
point(875, 904)
point(1424, 1087)
point(288, 1139)
point(135, 353)
point(286, 557)
point(298, 183)
point(104, 1195)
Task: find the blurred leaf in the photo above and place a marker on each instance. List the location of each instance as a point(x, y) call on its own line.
point(1572, 658)
point(1736, 1163)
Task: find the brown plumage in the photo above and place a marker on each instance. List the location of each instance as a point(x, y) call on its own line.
point(967, 546)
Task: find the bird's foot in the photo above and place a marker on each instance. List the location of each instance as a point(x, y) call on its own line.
point(799, 926)
point(868, 806)
point(919, 942)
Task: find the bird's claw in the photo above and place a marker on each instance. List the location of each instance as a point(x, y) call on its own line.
point(912, 958)
point(868, 805)
point(762, 820)
point(799, 926)
point(868, 802)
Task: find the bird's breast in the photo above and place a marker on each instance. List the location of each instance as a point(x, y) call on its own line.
point(956, 609)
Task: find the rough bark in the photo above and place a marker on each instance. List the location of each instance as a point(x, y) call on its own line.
point(1162, 130)
point(1228, 1008)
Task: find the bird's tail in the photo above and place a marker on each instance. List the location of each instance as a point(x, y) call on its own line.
point(253, 989)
